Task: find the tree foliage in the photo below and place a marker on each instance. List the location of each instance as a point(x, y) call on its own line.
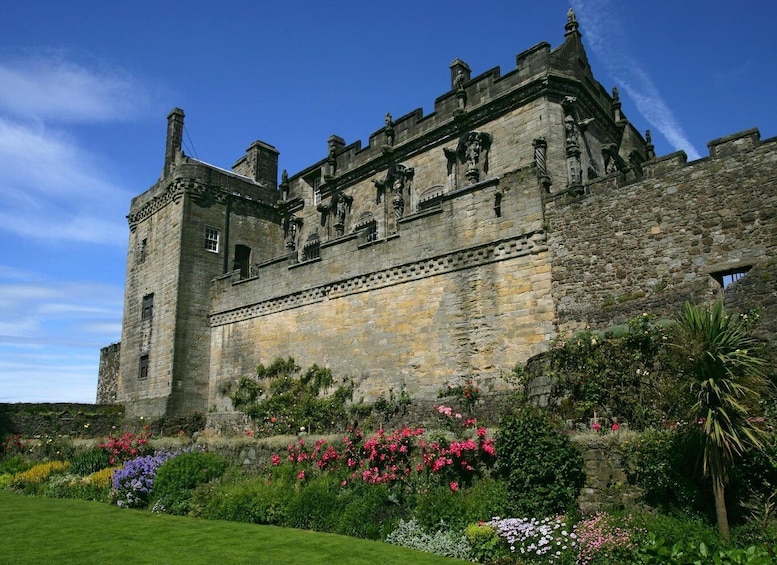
point(281, 399)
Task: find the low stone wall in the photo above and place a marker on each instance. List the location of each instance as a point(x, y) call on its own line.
point(606, 477)
point(58, 419)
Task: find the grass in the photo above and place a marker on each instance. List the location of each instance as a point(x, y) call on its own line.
point(43, 530)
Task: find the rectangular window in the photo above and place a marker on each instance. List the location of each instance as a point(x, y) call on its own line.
point(148, 307)
point(143, 373)
point(316, 191)
point(212, 239)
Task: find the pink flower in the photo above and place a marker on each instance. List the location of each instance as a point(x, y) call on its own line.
point(595, 426)
point(454, 486)
point(615, 427)
point(301, 475)
point(276, 460)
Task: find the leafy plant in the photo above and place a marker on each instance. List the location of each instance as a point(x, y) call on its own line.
point(725, 371)
point(177, 478)
point(622, 373)
point(280, 400)
point(89, 461)
point(543, 469)
point(441, 542)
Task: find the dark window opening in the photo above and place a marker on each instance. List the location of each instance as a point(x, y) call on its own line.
point(143, 374)
point(242, 260)
point(725, 278)
point(142, 252)
point(372, 231)
point(148, 307)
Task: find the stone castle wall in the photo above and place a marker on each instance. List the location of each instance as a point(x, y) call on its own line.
point(458, 292)
point(654, 244)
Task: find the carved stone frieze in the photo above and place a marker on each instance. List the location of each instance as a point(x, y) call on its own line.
point(172, 193)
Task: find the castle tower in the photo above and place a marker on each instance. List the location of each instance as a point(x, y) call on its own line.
point(195, 224)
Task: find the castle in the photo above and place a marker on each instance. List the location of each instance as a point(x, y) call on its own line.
point(455, 244)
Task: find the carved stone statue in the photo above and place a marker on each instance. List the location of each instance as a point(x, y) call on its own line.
point(389, 130)
point(292, 225)
point(339, 207)
point(473, 151)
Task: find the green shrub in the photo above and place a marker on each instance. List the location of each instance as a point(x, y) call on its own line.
point(316, 505)
point(177, 478)
point(658, 463)
point(281, 399)
point(486, 499)
point(256, 500)
point(441, 507)
point(89, 461)
point(676, 528)
point(486, 543)
point(15, 464)
point(443, 541)
point(371, 512)
point(543, 469)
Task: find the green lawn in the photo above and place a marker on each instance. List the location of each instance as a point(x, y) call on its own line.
point(40, 531)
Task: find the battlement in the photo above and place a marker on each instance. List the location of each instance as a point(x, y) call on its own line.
point(540, 71)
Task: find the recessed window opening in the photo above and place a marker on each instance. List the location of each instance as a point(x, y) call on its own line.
point(148, 307)
point(212, 240)
point(725, 278)
point(142, 252)
point(143, 372)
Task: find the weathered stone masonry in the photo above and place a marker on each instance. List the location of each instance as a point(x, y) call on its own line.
point(453, 245)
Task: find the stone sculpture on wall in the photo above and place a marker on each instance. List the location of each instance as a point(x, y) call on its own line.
point(291, 231)
point(339, 208)
point(473, 152)
point(397, 182)
point(572, 140)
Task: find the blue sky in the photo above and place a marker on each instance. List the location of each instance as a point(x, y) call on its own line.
point(85, 88)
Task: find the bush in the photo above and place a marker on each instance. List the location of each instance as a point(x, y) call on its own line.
point(177, 478)
point(485, 541)
point(441, 507)
point(371, 512)
point(90, 461)
point(134, 482)
point(441, 542)
point(543, 469)
point(658, 463)
point(33, 479)
point(256, 500)
point(15, 464)
point(316, 504)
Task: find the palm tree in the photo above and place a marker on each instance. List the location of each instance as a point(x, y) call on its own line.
point(724, 370)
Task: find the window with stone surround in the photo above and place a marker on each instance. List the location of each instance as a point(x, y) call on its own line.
point(725, 278)
point(148, 307)
point(143, 369)
point(316, 183)
point(212, 240)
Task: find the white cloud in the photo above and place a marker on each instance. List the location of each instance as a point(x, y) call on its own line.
point(54, 187)
point(35, 311)
point(605, 36)
point(48, 87)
